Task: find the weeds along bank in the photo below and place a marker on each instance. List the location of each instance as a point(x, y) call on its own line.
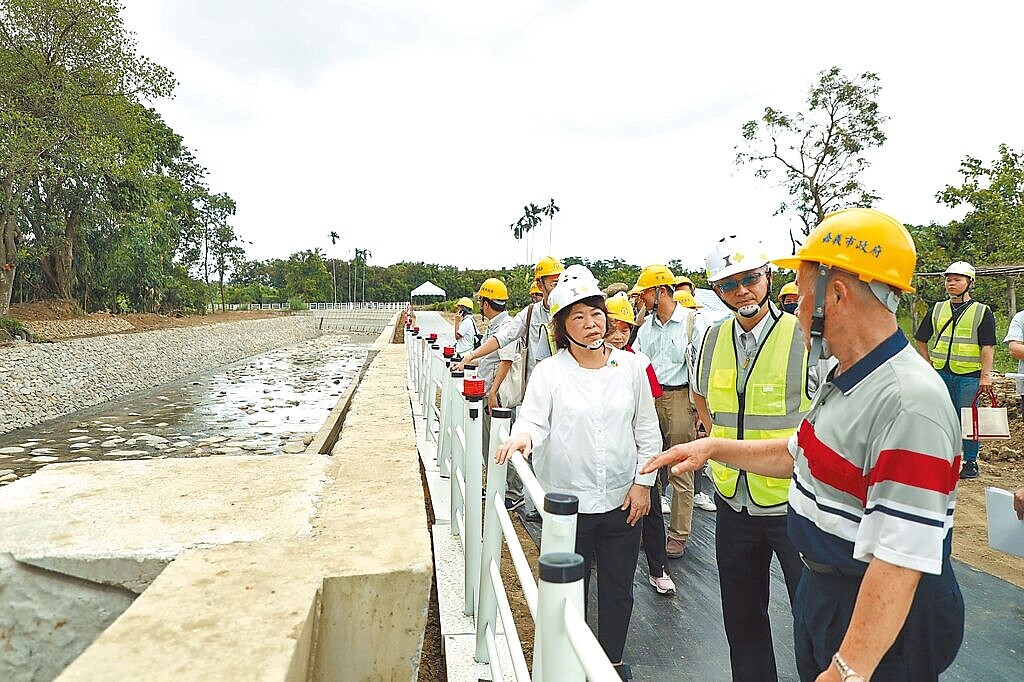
point(40, 381)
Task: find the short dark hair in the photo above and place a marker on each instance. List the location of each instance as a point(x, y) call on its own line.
point(558, 323)
point(497, 305)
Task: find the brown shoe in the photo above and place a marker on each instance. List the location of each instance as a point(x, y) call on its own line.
point(675, 548)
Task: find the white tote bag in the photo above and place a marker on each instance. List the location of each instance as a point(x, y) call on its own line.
point(510, 393)
point(984, 423)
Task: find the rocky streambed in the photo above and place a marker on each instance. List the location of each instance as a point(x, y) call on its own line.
point(267, 404)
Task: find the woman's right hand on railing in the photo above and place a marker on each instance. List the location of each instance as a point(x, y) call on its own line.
point(518, 443)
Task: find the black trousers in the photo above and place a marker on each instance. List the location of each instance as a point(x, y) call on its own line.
point(653, 533)
point(615, 546)
point(927, 644)
point(744, 545)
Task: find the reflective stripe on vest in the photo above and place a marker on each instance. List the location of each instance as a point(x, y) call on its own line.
point(957, 344)
point(772, 404)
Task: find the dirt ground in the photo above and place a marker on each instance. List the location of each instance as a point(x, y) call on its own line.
point(59, 310)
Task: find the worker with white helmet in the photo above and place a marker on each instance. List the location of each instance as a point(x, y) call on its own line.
point(465, 326)
point(872, 468)
point(751, 384)
point(589, 417)
point(958, 336)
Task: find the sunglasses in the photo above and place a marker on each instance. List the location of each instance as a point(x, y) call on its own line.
point(731, 285)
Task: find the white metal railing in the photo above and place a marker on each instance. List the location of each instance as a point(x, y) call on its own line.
point(565, 649)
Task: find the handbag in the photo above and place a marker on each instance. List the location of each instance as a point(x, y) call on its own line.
point(510, 393)
point(989, 423)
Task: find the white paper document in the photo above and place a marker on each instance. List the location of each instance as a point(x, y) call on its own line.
point(1005, 530)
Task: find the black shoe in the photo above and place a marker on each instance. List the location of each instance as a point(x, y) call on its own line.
point(624, 671)
point(533, 516)
point(512, 504)
point(969, 470)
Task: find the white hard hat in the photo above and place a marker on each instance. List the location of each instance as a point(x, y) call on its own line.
point(961, 268)
point(575, 283)
point(733, 255)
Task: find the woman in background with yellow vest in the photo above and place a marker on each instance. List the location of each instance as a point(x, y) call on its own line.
point(958, 336)
point(751, 384)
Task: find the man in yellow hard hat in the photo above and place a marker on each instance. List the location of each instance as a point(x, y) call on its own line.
point(531, 330)
point(958, 336)
point(664, 338)
point(684, 283)
point(873, 468)
point(536, 295)
point(465, 326)
point(788, 297)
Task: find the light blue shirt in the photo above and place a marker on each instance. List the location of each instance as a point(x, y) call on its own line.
point(666, 346)
point(1016, 333)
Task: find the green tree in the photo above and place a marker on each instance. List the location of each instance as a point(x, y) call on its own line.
point(306, 276)
point(992, 232)
point(818, 154)
point(60, 63)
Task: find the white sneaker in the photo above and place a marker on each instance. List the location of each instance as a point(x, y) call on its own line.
point(663, 584)
point(703, 501)
point(665, 506)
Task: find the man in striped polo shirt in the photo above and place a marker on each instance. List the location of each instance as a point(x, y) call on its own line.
point(874, 468)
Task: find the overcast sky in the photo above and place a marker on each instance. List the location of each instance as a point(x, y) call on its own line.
point(418, 130)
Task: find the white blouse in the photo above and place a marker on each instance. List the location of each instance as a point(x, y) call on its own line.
point(592, 429)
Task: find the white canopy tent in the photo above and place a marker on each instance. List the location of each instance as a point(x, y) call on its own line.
point(428, 288)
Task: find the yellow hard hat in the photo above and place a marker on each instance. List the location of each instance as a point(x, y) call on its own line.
point(464, 302)
point(620, 309)
point(686, 299)
point(548, 265)
point(534, 289)
point(493, 289)
point(683, 279)
point(788, 289)
point(870, 244)
point(654, 276)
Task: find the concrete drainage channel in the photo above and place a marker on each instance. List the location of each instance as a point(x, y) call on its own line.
point(225, 568)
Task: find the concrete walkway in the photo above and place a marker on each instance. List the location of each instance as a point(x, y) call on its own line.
point(682, 637)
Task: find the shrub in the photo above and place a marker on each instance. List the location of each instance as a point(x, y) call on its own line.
point(295, 303)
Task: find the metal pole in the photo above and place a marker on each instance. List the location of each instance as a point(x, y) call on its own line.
point(444, 438)
point(475, 392)
point(559, 534)
point(455, 451)
point(561, 579)
point(486, 615)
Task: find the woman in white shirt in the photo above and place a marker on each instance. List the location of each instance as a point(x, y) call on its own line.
point(589, 413)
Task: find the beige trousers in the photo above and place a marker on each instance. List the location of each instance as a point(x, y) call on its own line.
point(675, 417)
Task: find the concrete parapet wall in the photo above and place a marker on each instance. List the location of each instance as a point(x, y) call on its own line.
point(305, 567)
point(43, 381)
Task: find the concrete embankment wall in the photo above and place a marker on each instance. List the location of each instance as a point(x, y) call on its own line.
point(43, 381)
point(294, 567)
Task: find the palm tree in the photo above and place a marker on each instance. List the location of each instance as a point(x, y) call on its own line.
point(549, 212)
point(334, 261)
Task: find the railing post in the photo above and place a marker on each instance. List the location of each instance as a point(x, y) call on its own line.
point(425, 372)
point(414, 351)
point(561, 579)
point(486, 612)
point(455, 456)
point(475, 392)
point(433, 372)
point(443, 435)
point(559, 533)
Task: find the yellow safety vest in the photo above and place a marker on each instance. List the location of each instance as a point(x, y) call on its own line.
point(772, 404)
point(956, 343)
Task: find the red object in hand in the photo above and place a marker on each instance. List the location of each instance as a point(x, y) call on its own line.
point(473, 388)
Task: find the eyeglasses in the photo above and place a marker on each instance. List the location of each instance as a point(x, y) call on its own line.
point(731, 285)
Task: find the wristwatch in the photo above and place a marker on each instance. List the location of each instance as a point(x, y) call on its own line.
point(846, 673)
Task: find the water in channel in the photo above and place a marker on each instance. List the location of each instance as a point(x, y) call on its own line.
point(267, 404)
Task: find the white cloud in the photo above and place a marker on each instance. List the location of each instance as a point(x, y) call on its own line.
point(418, 130)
